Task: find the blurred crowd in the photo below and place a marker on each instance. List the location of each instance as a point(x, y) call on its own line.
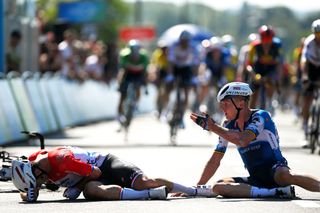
point(203, 66)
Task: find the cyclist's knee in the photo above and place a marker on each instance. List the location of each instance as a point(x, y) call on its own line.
point(283, 176)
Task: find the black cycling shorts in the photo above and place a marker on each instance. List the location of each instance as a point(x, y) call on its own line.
point(262, 177)
point(118, 172)
point(137, 79)
point(185, 75)
point(313, 75)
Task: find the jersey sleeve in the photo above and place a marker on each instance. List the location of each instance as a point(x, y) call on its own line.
point(222, 143)
point(257, 124)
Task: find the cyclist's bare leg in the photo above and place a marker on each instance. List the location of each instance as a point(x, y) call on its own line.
point(143, 182)
point(204, 90)
point(231, 189)
point(138, 94)
point(186, 98)
point(166, 94)
point(95, 190)
point(307, 101)
point(270, 87)
point(120, 106)
point(284, 177)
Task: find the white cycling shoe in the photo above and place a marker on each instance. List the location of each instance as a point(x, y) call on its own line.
point(159, 193)
point(205, 191)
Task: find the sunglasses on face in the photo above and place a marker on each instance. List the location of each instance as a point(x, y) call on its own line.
point(36, 169)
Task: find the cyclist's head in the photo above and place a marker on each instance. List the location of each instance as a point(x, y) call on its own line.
point(216, 42)
point(233, 89)
point(252, 37)
point(185, 36)
point(22, 175)
point(315, 26)
point(266, 33)
point(134, 46)
point(162, 44)
point(227, 40)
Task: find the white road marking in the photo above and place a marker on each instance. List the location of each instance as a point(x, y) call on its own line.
point(306, 203)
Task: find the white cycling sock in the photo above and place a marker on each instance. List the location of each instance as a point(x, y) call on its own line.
point(131, 194)
point(192, 191)
point(262, 192)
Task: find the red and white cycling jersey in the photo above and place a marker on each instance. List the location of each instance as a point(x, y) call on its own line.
point(70, 164)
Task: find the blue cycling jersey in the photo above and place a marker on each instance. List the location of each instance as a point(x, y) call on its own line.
point(263, 151)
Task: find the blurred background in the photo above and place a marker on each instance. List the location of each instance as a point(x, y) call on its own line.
point(107, 20)
point(33, 31)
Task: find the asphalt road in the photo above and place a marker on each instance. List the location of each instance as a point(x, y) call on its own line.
point(149, 148)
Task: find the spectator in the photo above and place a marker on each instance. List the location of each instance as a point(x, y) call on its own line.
point(13, 58)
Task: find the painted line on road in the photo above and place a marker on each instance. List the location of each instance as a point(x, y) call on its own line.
point(306, 203)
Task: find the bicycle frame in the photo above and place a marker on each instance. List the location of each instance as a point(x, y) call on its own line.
point(5, 168)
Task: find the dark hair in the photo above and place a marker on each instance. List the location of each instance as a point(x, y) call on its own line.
point(16, 34)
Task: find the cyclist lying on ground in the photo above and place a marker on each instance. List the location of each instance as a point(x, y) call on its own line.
point(255, 135)
point(100, 176)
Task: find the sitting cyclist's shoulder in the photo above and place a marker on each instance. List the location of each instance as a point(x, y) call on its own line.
point(261, 112)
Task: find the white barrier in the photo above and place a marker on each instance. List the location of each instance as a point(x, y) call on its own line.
point(10, 122)
point(52, 103)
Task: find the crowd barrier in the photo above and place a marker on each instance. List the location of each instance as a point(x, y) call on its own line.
point(50, 103)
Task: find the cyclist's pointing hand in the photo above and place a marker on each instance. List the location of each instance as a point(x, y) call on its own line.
point(202, 120)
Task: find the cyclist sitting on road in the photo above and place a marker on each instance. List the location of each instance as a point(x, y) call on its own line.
point(100, 176)
point(265, 61)
point(310, 65)
point(133, 69)
point(255, 135)
point(183, 63)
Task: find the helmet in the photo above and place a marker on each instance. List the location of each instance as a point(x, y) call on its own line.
point(185, 35)
point(22, 176)
point(216, 42)
point(315, 26)
point(266, 33)
point(162, 44)
point(134, 45)
point(252, 37)
point(227, 40)
point(234, 89)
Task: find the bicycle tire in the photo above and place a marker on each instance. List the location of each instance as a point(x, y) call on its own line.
point(314, 128)
point(317, 126)
point(262, 96)
point(129, 106)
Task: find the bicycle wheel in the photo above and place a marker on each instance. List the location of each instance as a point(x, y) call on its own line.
point(314, 128)
point(177, 116)
point(263, 96)
point(129, 106)
point(317, 127)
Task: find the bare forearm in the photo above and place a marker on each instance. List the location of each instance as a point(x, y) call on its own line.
point(93, 176)
point(208, 172)
point(230, 135)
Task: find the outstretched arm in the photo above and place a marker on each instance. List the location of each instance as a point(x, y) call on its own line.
point(210, 168)
point(241, 139)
